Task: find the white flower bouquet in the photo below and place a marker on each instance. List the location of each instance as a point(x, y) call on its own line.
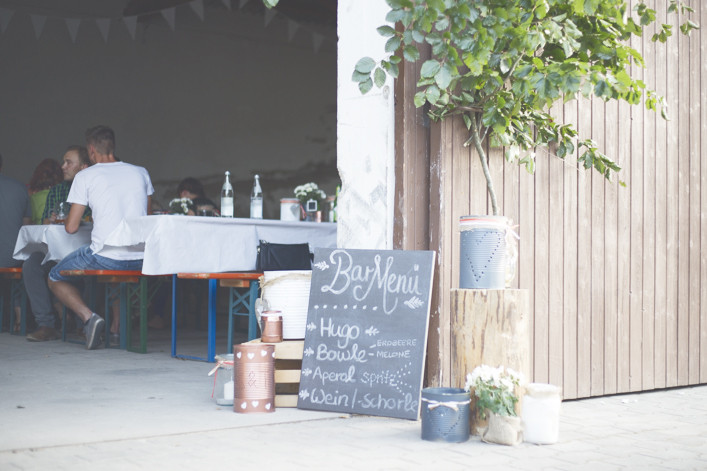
point(181, 206)
point(310, 191)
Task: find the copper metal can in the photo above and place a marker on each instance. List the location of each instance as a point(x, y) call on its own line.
point(271, 327)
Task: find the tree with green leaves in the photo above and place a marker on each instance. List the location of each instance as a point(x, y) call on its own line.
point(502, 64)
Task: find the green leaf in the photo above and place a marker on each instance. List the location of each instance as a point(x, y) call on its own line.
point(270, 3)
point(411, 53)
point(366, 86)
point(429, 69)
point(420, 99)
point(432, 94)
point(379, 77)
point(365, 65)
point(392, 44)
point(444, 77)
point(394, 16)
point(359, 77)
point(541, 9)
point(386, 31)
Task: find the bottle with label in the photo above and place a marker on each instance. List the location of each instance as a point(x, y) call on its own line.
point(227, 198)
point(256, 200)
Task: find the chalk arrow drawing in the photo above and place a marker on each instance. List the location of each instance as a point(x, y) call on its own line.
point(304, 394)
point(309, 351)
point(414, 302)
point(321, 265)
point(306, 372)
point(311, 326)
point(371, 331)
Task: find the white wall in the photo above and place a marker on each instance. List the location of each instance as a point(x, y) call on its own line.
point(226, 93)
point(365, 124)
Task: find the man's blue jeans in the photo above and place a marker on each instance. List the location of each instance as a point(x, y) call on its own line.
point(85, 259)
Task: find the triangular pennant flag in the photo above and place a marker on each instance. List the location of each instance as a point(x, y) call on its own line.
point(131, 24)
point(169, 15)
point(38, 23)
point(317, 41)
point(269, 15)
point(227, 4)
point(103, 26)
point(5, 16)
point(73, 26)
point(242, 3)
point(292, 27)
point(198, 7)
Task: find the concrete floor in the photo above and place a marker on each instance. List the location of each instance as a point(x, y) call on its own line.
point(63, 407)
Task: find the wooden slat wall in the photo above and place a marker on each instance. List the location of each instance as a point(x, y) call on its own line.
point(617, 276)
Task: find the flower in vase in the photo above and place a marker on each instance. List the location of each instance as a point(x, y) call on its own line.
point(495, 389)
point(308, 192)
point(181, 206)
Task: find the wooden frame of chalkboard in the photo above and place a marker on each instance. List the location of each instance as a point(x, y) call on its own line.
point(366, 335)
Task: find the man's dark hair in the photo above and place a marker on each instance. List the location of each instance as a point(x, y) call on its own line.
point(83, 154)
point(102, 138)
point(192, 185)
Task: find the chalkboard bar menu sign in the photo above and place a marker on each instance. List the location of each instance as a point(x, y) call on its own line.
point(366, 335)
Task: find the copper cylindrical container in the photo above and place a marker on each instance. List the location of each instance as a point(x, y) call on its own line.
point(254, 375)
point(271, 327)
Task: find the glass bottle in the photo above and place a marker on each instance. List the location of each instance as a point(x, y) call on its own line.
point(227, 198)
point(256, 200)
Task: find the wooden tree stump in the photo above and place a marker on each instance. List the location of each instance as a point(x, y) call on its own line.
point(489, 327)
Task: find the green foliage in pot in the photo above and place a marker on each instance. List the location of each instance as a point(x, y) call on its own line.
point(495, 390)
point(501, 65)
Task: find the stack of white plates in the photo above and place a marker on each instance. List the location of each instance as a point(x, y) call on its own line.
point(288, 292)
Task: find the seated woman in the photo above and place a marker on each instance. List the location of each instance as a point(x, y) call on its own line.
point(47, 174)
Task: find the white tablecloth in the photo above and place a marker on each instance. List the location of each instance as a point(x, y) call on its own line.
point(50, 239)
point(195, 244)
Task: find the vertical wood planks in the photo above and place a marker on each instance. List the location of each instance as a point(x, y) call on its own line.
point(597, 260)
point(648, 264)
point(694, 58)
point(569, 259)
point(611, 253)
point(672, 226)
point(615, 276)
point(584, 261)
point(554, 265)
point(659, 198)
point(702, 9)
point(683, 63)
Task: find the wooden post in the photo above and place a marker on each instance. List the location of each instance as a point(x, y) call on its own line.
point(489, 327)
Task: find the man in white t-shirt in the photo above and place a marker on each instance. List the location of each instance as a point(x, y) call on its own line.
point(114, 191)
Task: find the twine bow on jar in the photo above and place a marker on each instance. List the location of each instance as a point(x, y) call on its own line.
point(432, 404)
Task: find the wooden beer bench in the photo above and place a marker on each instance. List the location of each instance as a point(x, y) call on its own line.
point(14, 274)
point(132, 286)
point(240, 303)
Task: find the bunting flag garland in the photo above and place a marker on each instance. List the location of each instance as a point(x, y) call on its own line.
point(103, 26)
point(72, 24)
point(38, 23)
point(131, 24)
point(269, 15)
point(198, 7)
point(292, 27)
point(5, 17)
point(168, 14)
point(317, 41)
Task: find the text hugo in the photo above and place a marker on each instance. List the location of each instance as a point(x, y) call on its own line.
point(363, 278)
